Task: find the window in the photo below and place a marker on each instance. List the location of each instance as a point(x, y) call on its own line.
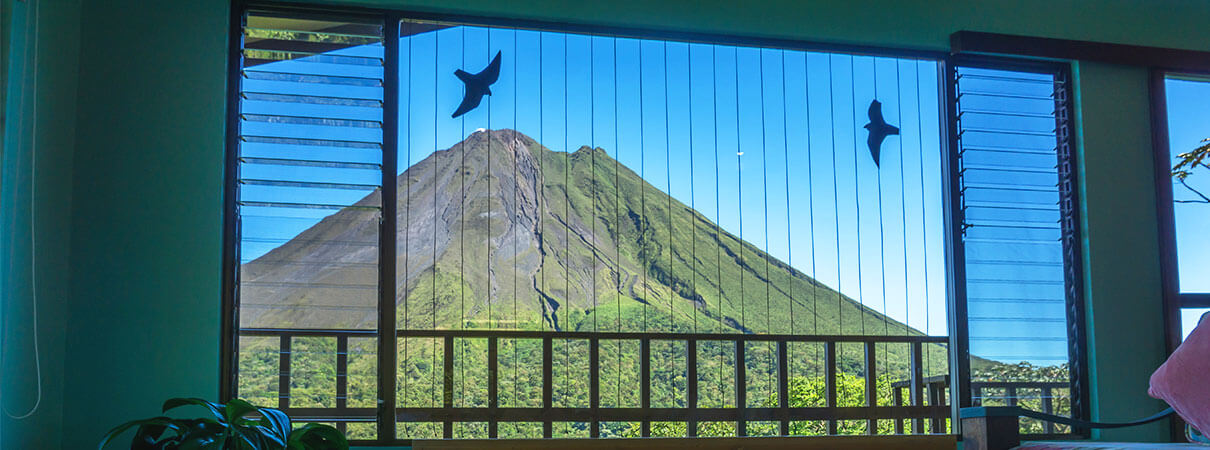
point(1183, 185)
point(1190, 317)
point(310, 159)
point(451, 230)
point(1019, 237)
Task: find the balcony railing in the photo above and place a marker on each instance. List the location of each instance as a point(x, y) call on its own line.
point(1012, 391)
point(983, 392)
point(914, 407)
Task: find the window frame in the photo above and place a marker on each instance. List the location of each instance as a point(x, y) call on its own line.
point(1173, 299)
point(387, 330)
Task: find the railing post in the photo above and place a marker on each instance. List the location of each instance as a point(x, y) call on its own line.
point(829, 361)
point(783, 386)
point(871, 384)
point(741, 388)
point(547, 387)
point(1048, 407)
point(917, 366)
point(342, 372)
point(1010, 395)
point(594, 386)
point(936, 398)
point(691, 386)
point(342, 377)
point(447, 389)
point(898, 394)
point(283, 373)
point(645, 384)
point(493, 386)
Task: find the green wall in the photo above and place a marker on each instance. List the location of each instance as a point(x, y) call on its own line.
point(1120, 249)
point(51, 93)
point(146, 215)
point(129, 220)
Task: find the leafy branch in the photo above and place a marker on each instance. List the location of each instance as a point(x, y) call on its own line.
point(1189, 161)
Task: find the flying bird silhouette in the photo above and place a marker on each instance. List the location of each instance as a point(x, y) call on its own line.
point(879, 130)
point(477, 85)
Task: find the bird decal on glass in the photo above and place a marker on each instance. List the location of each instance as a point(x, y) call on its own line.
point(477, 85)
point(878, 129)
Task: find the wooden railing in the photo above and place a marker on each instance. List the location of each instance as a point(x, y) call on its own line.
point(915, 408)
point(934, 390)
point(1012, 397)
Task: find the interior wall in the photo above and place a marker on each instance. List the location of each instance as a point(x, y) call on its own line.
point(146, 198)
point(147, 210)
point(1124, 323)
point(39, 123)
point(921, 24)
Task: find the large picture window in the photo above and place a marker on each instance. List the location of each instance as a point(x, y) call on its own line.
point(451, 230)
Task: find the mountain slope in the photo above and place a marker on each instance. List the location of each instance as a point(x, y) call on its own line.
point(500, 231)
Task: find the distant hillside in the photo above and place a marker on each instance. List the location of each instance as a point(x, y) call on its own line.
point(577, 237)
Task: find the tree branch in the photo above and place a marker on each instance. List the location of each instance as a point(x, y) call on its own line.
point(1189, 161)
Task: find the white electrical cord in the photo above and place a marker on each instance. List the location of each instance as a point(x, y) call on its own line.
point(33, 178)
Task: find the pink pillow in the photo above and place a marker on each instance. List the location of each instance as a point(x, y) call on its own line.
point(1181, 380)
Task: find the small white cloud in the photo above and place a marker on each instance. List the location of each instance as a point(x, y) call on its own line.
point(739, 153)
point(480, 130)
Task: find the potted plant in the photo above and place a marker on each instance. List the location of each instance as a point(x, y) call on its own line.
point(228, 427)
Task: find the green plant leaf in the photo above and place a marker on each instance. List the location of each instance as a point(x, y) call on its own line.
point(237, 409)
point(250, 440)
point(203, 434)
point(201, 444)
point(148, 437)
point(166, 422)
point(314, 436)
point(277, 421)
point(269, 435)
point(215, 408)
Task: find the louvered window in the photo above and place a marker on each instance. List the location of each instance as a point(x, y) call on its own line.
point(1019, 233)
point(309, 171)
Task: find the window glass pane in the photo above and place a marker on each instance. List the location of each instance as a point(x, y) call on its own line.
point(612, 184)
point(1190, 317)
point(1015, 263)
point(309, 172)
point(1187, 129)
point(601, 172)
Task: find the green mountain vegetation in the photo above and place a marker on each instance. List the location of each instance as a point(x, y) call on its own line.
point(499, 232)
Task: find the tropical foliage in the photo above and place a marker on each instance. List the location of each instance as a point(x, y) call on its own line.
point(229, 427)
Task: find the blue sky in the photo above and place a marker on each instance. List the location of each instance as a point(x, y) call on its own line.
point(1016, 297)
point(681, 124)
